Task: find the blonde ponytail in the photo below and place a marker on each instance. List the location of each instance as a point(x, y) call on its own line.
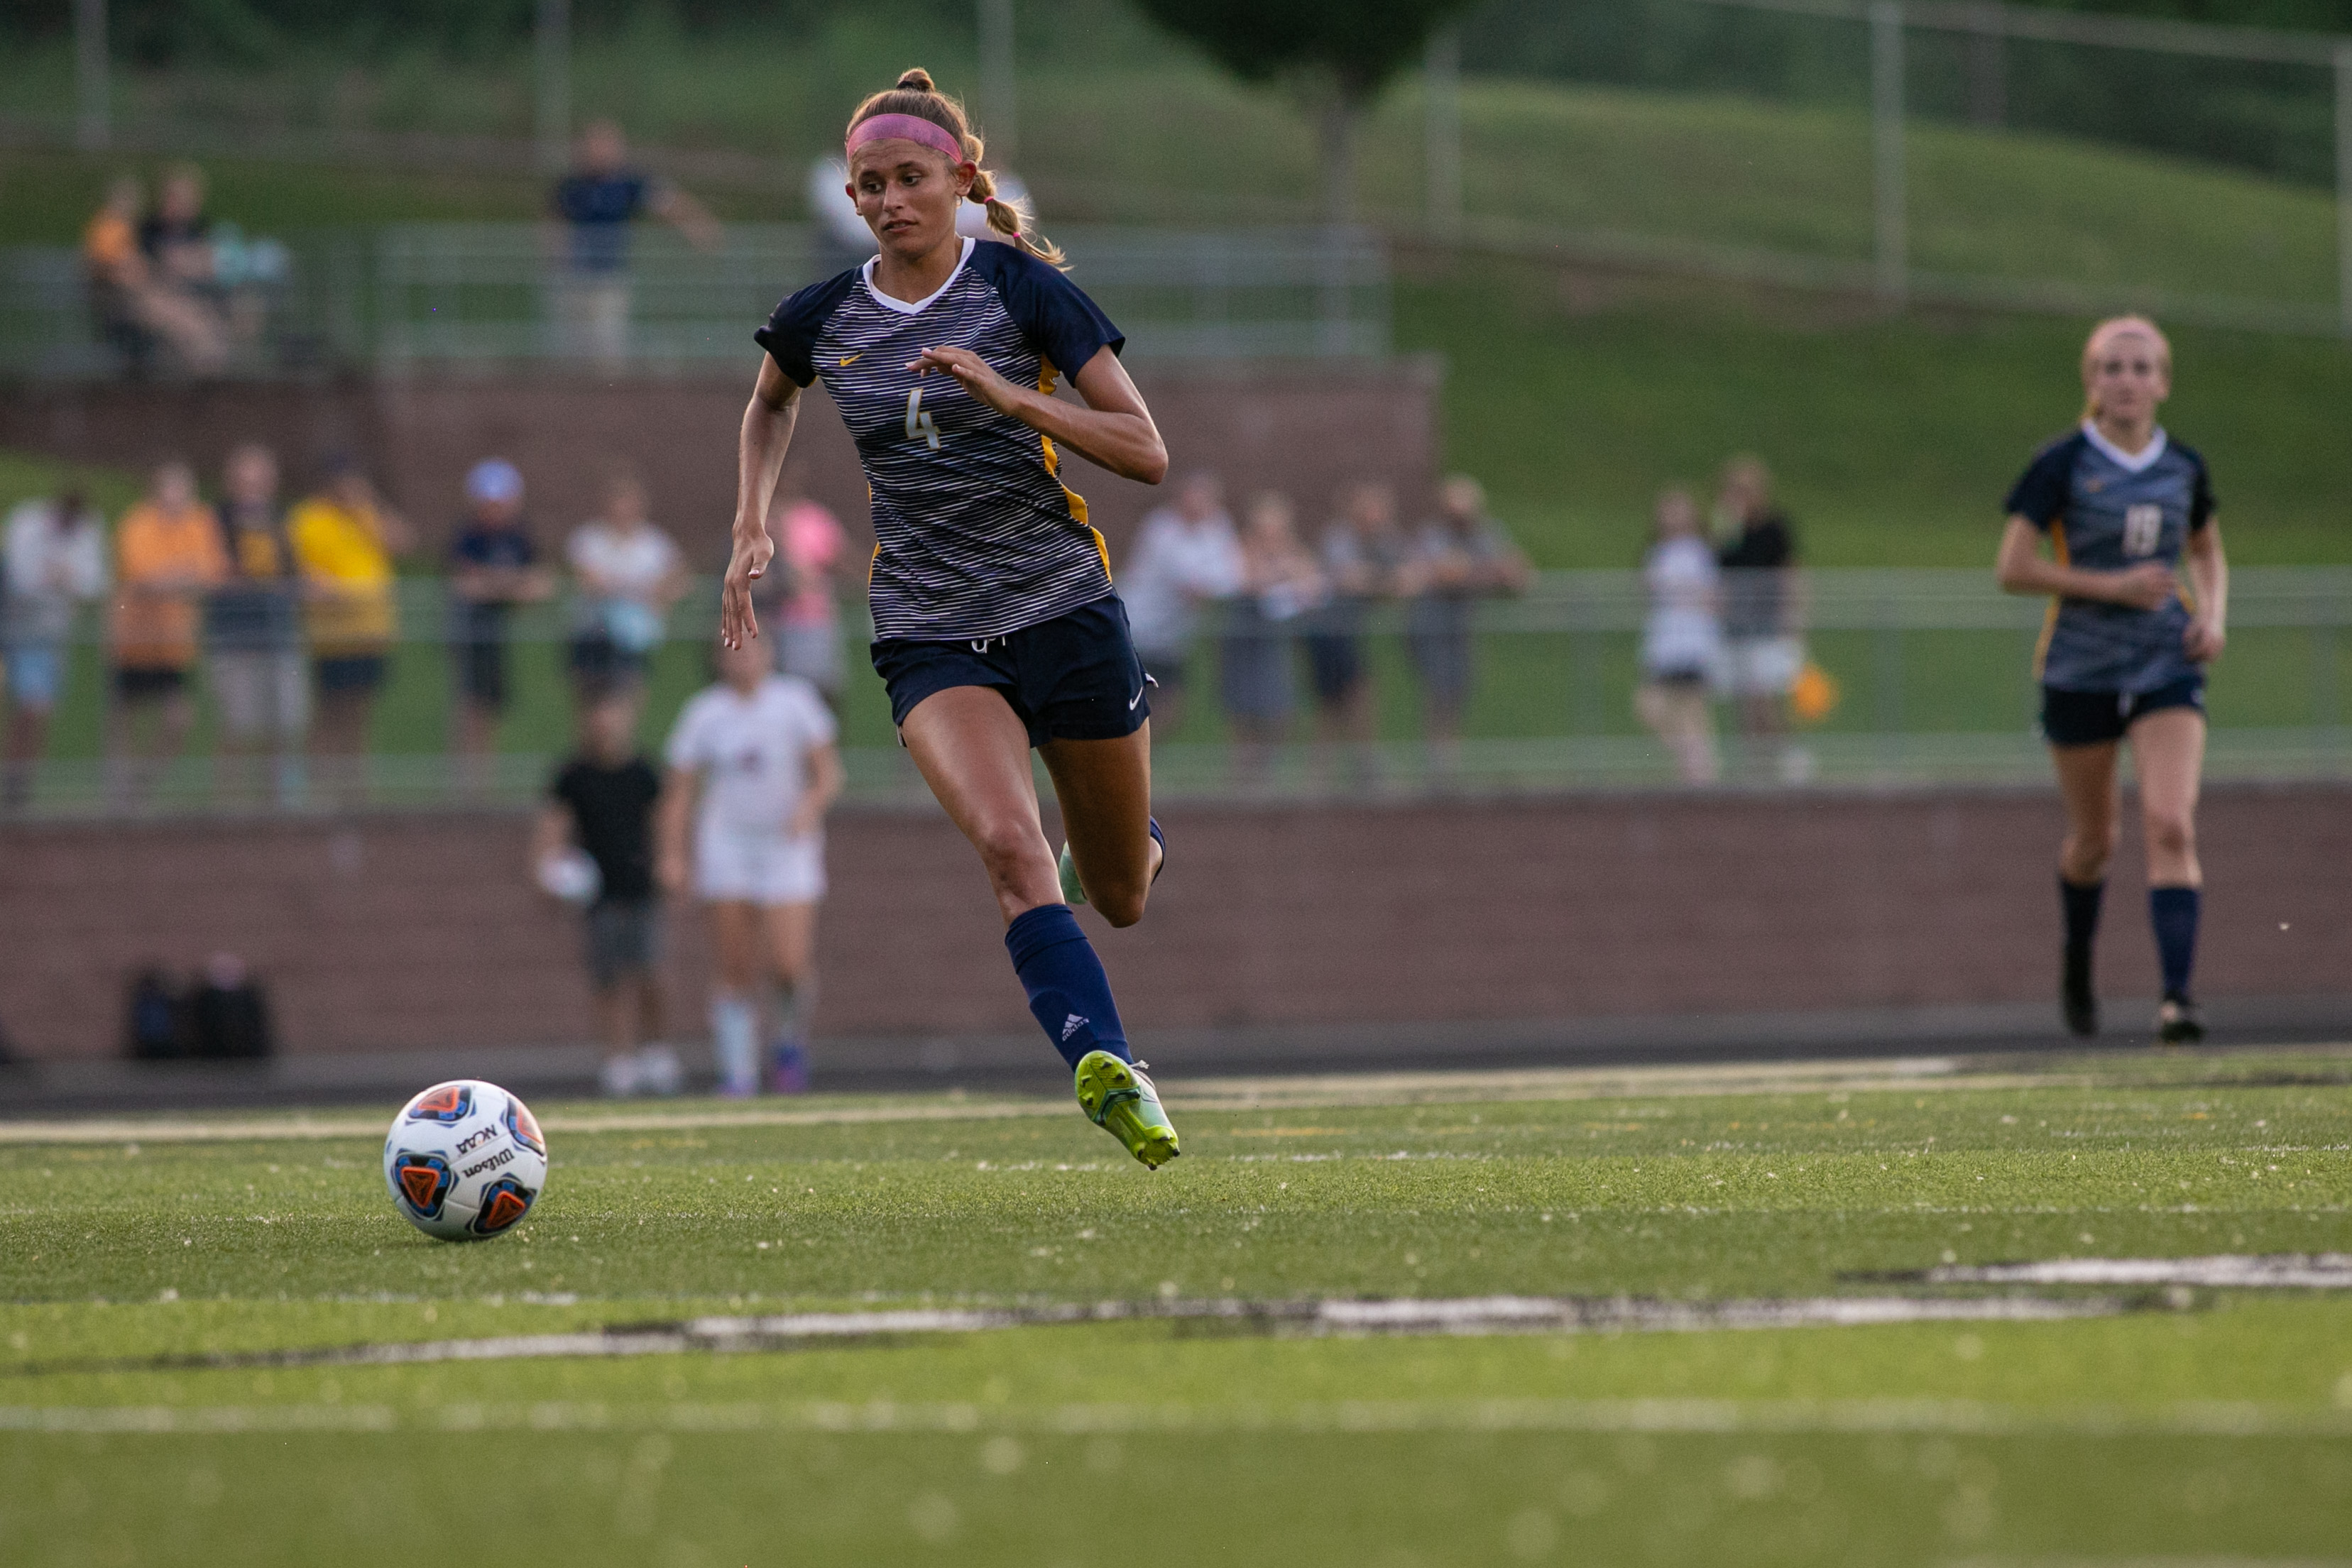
point(915, 94)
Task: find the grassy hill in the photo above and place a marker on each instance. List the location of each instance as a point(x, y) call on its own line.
point(1575, 395)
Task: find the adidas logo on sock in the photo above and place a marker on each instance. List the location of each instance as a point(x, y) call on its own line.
point(1071, 1025)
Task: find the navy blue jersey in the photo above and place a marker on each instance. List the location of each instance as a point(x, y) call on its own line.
point(976, 535)
point(2105, 511)
point(599, 208)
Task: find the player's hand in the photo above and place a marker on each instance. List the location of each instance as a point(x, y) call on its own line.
point(2144, 586)
point(977, 376)
point(753, 551)
point(2202, 640)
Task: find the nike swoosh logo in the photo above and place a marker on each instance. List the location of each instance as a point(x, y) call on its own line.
point(1133, 700)
point(852, 360)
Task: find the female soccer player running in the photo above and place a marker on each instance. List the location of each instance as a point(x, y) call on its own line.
point(2124, 651)
point(996, 629)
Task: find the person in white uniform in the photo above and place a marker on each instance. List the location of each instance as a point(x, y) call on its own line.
point(754, 766)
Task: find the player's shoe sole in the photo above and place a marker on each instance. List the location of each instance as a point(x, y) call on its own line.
point(2178, 1022)
point(1073, 892)
point(1118, 1098)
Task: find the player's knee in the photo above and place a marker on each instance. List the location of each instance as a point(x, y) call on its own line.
point(2171, 834)
point(1121, 906)
point(1006, 846)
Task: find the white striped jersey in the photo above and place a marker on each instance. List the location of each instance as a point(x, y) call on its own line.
point(976, 535)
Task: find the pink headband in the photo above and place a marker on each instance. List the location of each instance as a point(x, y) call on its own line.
point(905, 128)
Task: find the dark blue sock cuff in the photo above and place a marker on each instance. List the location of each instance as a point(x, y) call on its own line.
point(1047, 925)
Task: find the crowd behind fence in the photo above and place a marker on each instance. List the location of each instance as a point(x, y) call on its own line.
point(1927, 681)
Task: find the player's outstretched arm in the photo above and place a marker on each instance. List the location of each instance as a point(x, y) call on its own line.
point(1113, 430)
point(766, 436)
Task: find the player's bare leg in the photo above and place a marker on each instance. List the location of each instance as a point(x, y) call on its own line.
point(1104, 790)
point(974, 752)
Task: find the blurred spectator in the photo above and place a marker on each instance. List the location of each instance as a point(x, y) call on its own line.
point(344, 539)
point(167, 556)
point(228, 1013)
point(254, 635)
point(629, 574)
point(139, 304)
point(1458, 558)
point(1279, 584)
point(494, 567)
point(812, 562)
point(1184, 556)
point(601, 803)
point(597, 201)
point(1763, 652)
point(1361, 556)
point(177, 237)
point(55, 562)
point(1681, 638)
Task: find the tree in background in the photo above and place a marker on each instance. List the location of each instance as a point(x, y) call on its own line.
point(1336, 54)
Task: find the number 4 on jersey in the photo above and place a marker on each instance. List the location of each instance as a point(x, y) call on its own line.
point(2143, 524)
point(920, 426)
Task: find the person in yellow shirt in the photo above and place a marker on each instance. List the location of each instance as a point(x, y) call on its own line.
point(344, 539)
point(168, 553)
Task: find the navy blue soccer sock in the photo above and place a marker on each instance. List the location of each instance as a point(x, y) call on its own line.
point(2081, 902)
point(2173, 912)
point(1069, 995)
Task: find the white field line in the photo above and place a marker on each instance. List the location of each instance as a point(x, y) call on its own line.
point(1202, 1094)
point(1310, 1319)
point(2324, 1271)
point(1683, 1081)
point(1693, 1417)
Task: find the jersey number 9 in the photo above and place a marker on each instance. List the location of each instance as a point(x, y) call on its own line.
point(922, 427)
point(2143, 524)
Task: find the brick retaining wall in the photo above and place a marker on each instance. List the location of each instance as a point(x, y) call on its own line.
point(400, 932)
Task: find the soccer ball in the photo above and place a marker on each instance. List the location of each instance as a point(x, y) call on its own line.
point(570, 876)
point(464, 1160)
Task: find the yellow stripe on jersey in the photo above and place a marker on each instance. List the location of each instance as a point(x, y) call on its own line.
point(2050, 613)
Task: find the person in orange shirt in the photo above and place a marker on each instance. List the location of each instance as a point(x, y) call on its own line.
point(135, 306)
point(168, 553)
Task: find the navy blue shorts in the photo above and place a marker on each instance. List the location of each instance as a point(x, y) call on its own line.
point(2096, 718)
point(1074, 677)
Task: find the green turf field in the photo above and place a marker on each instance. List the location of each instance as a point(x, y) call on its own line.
point(2190, 1425)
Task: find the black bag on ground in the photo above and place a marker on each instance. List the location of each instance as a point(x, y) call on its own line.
point(155, 1018)
point(230, 1021)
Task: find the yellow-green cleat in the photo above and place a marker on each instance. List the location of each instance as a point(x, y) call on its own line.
point(1118, 1098)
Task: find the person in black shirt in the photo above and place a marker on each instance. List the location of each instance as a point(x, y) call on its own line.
point(601, 805)
point(1763, 654)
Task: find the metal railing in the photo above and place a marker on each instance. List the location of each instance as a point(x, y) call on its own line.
point(416, 295)
point(1931, 671)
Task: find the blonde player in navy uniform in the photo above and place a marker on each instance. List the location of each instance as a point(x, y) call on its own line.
point(2124, 508)
point(996, 629)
